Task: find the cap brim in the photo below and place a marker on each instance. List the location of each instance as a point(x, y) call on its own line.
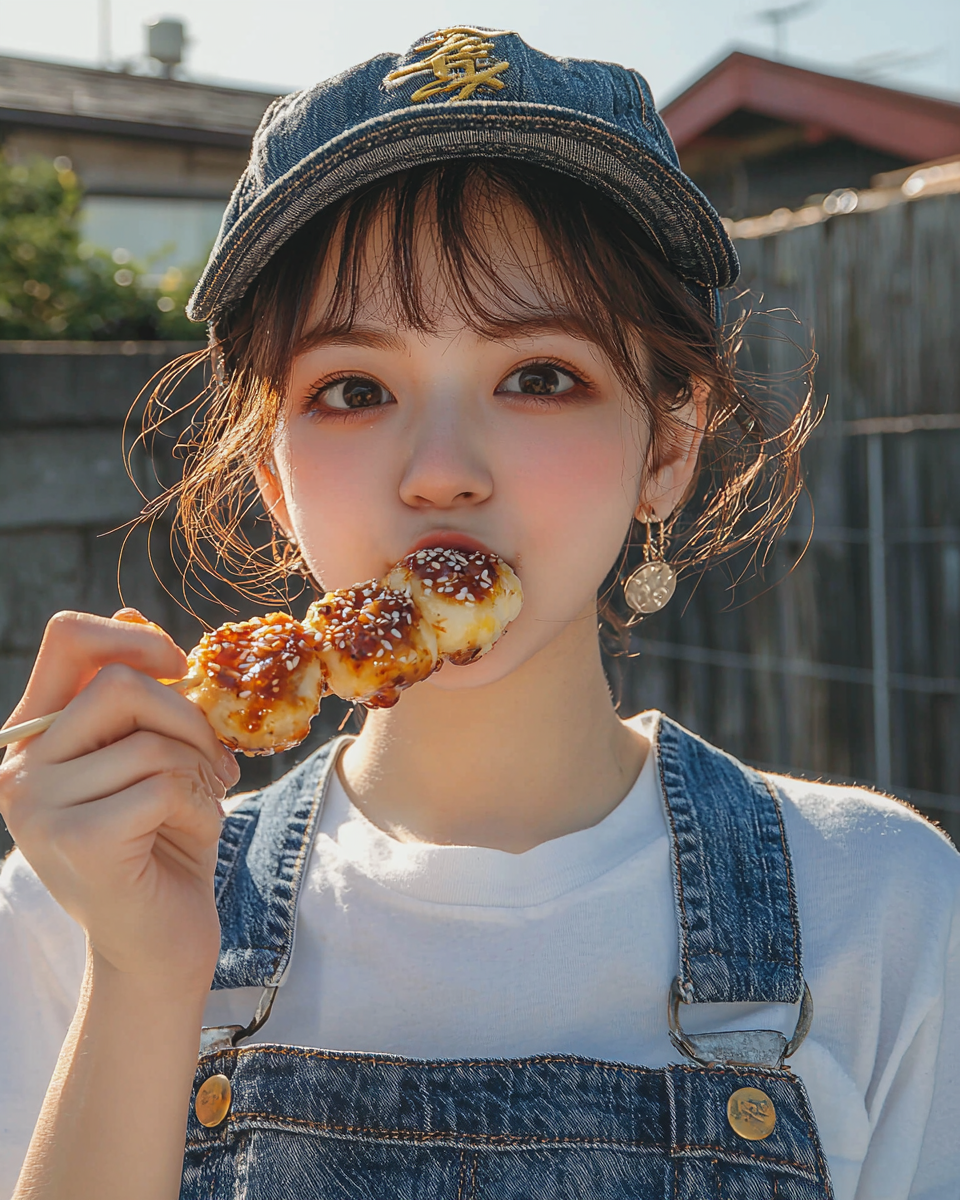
point(673, 212)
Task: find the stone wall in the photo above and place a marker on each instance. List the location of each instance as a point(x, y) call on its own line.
point(65, 499)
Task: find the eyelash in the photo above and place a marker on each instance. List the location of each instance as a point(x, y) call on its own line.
point(313, 404)
point(532, 400)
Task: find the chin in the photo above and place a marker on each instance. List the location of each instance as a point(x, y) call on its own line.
point(490, 669)
point(522, 642)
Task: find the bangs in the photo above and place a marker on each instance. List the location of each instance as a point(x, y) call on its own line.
point(483, 245)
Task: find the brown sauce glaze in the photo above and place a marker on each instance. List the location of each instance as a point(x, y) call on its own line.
point(371, 627)
point(455, 574)
point(257, 660)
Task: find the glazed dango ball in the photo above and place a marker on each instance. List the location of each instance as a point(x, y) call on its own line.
point(468, 597)
point(260, 682)
point(373, 642)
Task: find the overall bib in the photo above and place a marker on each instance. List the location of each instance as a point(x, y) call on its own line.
point(271, 1122)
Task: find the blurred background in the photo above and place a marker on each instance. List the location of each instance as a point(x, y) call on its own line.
point(828, 135)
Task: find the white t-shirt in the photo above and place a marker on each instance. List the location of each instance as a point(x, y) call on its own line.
point(457, 951)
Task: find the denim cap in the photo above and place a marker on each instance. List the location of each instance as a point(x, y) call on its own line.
point(465, 92)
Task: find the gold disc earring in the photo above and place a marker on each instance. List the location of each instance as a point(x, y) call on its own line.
point(653, 583)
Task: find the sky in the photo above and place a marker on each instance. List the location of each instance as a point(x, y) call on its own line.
point(284, 44)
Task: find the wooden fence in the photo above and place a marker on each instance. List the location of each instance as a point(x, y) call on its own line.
point(846, 667)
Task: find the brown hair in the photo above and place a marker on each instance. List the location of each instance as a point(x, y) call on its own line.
point(613, 287)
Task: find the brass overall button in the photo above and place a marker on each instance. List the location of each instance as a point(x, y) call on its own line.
point(751, 1114)
point(213, 1100)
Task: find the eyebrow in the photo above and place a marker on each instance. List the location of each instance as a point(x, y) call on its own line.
point(358, 335)
point(567, 323)
point(564, 322)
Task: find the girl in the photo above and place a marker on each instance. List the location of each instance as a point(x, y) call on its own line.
point(466, 298)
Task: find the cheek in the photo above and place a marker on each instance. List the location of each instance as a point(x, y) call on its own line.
point(570, 496)
point(338, 490)
point(577, 489)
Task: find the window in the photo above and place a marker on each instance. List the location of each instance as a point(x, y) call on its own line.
point(161, 233)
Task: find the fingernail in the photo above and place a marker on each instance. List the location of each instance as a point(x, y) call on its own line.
point(219, 808)
point(230, 769)
point(215, 785)
point(133, 615)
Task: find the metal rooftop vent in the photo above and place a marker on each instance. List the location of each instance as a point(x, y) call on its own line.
point(165, 41)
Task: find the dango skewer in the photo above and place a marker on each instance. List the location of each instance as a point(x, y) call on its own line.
point(260, 682)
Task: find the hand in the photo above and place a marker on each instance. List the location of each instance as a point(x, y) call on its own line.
point(116, 806)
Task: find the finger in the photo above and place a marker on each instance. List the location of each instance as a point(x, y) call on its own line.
point(133, 616)
point(74, 648)
point(121, 765)
point(111, 771)
point(121, 830)
point(121, 701)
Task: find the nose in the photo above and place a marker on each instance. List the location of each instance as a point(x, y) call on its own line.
point(447, 467)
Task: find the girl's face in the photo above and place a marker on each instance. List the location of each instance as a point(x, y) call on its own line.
point(395, 440)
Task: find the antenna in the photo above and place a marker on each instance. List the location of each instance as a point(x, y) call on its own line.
point(892, 62)
point(104, 40)
point(778, 18)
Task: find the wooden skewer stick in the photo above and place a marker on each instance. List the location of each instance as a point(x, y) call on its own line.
point(26, 729)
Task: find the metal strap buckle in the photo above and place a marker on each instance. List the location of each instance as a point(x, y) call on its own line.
point(224, 1037)
point(741, 1048)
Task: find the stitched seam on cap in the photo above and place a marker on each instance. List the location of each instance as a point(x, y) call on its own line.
point(370, 143)
point(416, 125)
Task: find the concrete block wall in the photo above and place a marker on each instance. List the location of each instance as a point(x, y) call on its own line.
point(63, 487)
point(65, 498)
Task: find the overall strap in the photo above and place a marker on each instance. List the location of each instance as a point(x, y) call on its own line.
point(264, 848)
point(733, 879)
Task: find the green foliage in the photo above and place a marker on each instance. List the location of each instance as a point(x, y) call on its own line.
point(53, 285)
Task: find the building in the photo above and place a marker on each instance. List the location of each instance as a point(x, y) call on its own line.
point(158, 157)
point(758, 135)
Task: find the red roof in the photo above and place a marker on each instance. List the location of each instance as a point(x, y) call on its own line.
point(899, 123)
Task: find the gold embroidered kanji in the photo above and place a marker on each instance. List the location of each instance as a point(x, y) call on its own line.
point(461, 59)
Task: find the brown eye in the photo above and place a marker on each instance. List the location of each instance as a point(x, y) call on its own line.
point(538, 379)
point(355, 392)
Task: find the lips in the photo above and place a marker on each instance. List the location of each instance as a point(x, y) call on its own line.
point(450, 539)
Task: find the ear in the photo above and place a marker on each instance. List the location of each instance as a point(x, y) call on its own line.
point(268, 481)
point(667, 484)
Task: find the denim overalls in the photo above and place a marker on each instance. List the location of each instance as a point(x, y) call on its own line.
point(731, 1123)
